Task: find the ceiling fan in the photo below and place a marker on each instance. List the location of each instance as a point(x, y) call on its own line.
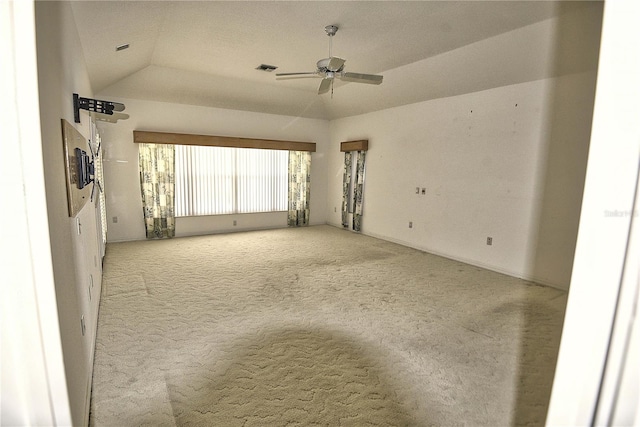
point(332, 68)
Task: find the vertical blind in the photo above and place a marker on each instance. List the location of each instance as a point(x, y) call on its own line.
point(224, 180)
point(102, 202)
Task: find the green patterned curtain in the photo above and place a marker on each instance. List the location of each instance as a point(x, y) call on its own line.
point(157, 184)
point(299, 188)
point(358, 193)
point(346, 181)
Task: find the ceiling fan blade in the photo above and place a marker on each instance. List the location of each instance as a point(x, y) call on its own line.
point(295, 74)
point(361, 78)
point(335, 64)
point(325, 85)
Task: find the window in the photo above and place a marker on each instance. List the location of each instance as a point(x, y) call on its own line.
point(224, 180)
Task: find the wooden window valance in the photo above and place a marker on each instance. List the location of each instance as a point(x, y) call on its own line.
point(361, 145)
point(140, 136)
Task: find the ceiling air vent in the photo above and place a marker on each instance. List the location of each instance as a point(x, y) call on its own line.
point(265, 67)
point(122, 47)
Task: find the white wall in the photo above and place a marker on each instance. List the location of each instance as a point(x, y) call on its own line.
point(122, 181)
point(75, 256)
point(485, 161)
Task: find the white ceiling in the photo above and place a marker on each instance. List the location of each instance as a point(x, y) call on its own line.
point(206, 52)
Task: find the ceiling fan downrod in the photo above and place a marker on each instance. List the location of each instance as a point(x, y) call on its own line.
point(331, 31)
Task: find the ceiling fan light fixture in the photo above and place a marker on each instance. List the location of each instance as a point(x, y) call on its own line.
point(323, 63)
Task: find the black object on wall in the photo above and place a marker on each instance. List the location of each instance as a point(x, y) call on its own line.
point(101, 110)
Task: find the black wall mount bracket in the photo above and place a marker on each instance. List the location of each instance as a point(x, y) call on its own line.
point(97, 106)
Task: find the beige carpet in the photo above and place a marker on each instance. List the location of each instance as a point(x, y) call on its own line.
point(317, 326)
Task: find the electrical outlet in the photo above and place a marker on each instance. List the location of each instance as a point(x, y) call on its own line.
point(489, 241)
point(424, 191)
point(410, 224)
point(417, 190)
point(114, 219)
point(235, 222)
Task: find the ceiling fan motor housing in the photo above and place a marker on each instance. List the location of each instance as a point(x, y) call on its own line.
point(324, 65)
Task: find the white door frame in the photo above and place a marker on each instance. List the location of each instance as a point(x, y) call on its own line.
point(34, 388)
point(603, 237)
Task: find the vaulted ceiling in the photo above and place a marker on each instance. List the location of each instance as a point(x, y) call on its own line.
point(206, 52)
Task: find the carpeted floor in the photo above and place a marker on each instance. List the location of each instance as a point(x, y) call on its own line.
point(317, 326)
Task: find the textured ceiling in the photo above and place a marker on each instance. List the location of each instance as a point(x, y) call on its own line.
point(205, 53)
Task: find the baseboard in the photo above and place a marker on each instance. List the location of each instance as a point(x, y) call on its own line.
point(518, 275)
point(231, 230)
point(222, 231)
